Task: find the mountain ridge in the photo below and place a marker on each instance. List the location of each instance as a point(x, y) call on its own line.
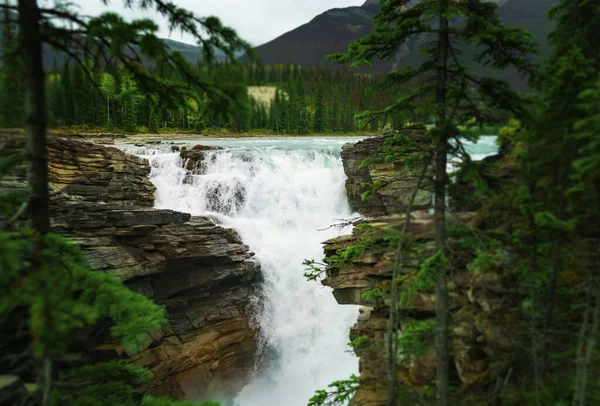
point(333, 30)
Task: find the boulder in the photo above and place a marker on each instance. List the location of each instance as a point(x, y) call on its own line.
point(192, 158)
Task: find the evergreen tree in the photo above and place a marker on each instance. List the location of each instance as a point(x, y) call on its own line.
point(11, 81)
point(320, 123)
point(43, 278)
point(450, 95)
point(129, 99)
point(560, 166)
point(70, 115)
point(56, 108)
point(81, 99)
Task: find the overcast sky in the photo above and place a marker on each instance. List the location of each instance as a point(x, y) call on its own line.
point(256, 21)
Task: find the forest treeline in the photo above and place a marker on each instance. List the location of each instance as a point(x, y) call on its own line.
point(307, 100)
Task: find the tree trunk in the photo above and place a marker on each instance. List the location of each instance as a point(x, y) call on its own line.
point(35, 115)
point(588, 333)
point(441, 291)
point(35, 131)
point(392, 329)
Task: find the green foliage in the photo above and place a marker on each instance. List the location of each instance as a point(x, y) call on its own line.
point(12, 95)
point(345, 256)
point(109, 383)
point(340, 393)
point(426, 278)
point(359, 343)
point(78, 298)
point(316, 99)
point(416, 338)
point(64, 299)
point(372, 294)
point(473, 132)
point(372, 188)
point(314, 270)
point(498, 47)
point(369, 238)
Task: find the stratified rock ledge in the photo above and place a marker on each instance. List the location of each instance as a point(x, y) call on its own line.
point(202, 273)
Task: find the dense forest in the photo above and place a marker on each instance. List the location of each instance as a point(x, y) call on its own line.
point(305, 100)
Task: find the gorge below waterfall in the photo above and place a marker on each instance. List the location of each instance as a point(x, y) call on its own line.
point(281, 196)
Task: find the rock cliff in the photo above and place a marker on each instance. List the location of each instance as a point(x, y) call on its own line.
point(395, 183)
point(202, 273)
point(484, 305)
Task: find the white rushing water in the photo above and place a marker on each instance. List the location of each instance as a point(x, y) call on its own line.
point(277, 194)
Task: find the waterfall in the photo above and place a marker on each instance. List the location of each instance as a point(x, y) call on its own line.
point(277, 194)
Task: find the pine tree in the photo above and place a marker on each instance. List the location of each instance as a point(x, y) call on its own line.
point(320, 123)
point(129, 99)
point(44, 278)
point(56, 107)
point(11, 81)
point(449, 86)
point(70, 115)
point(561, 154)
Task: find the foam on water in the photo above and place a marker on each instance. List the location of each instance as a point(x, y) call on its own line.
point(278, 194)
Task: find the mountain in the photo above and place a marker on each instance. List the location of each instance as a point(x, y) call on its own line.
point(329, 32)
point(333, 30)
point(192, 53)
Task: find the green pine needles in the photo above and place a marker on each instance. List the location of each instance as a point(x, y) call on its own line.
point(79, 298)
point(337, 394)
point(425, 279)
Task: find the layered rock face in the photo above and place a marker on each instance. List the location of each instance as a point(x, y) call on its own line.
point(202, 273)
point(485, 337)
point(395, 183)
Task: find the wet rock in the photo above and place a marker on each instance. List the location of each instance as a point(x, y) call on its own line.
point(192, 158)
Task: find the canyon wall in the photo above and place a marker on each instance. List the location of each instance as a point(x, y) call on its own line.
point(484, 305)
point(202, 273)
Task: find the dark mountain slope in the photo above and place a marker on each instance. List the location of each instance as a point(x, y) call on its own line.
point(332, 31)
point(327, 33)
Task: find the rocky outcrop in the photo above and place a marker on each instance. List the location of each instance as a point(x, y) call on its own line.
point(202, 273)
point(90, 172)
point(192, 158)
point(394, 183)
point(485, 304)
